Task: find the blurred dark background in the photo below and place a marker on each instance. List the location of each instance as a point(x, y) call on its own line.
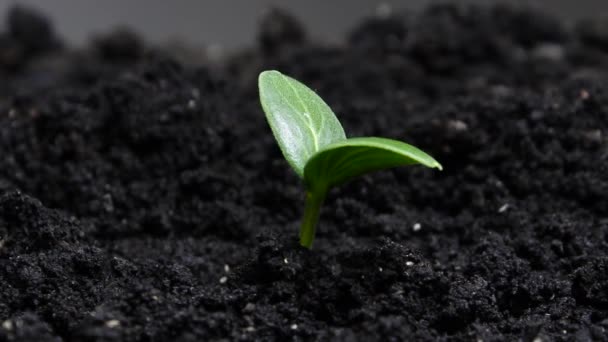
point(232, 23)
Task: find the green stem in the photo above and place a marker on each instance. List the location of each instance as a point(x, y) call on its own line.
point(314, 200)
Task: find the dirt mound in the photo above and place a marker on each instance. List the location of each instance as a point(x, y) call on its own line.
point(146, 200)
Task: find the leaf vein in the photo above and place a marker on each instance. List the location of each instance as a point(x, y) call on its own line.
point(307, 111)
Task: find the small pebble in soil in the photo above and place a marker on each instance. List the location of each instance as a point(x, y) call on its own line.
point(457, 126)
point(294, 327)
point(108, 203)
point(285, 261)
point(250, 329)
point(409, 263)
point(416, 227)
point(537, 339)
point(226, 268)
point(594, 136)
point(223, 280)
point(8, 324)
point(503, 208)
point(191, 104)
point(250, 307)
point(549, 51)
point(113, 323)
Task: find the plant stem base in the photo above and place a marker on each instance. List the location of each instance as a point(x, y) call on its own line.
point(314, 200)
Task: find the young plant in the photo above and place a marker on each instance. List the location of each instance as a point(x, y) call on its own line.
point(314, 144)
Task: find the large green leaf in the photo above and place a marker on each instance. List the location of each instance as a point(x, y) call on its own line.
point(302, 123)
point(344, 160)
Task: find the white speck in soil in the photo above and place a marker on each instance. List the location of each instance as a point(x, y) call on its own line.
point(537, 339)
point(294, 327)
point(380, 269)
point(503, 208)
point(113, 323)
point(457, 126)
point(416, 227)
point(250, 307)
point(108, 203)
point(409, 263)
point(549, 51)
point(594, 136)
point(155, 298)
point(285, 261)
point(191, 104)
point(250, 329)
point(8, 324)
point(226, 268)
point(223, 280)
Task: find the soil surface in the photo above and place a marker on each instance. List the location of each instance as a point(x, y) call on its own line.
point(143, 197)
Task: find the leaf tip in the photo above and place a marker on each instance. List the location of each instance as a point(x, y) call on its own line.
point(267, 74)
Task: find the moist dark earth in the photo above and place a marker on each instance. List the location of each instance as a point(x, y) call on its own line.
point(143, 197)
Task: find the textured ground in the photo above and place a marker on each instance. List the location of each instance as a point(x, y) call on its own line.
point(144, 199)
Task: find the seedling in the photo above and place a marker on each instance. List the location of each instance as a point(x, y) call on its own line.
point(314, 144)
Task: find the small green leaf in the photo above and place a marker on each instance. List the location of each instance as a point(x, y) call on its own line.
point(302, 123)
point(313, 142)
point(344, 160)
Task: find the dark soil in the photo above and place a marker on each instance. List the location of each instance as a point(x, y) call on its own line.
point(144, 199)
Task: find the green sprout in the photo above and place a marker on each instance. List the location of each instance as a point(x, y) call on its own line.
point(314, 144)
